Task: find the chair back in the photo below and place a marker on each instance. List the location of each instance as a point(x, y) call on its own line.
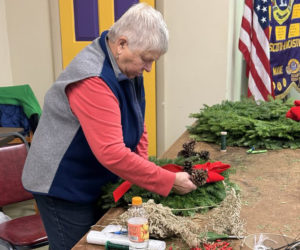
point(12, 159)
point(21, 96)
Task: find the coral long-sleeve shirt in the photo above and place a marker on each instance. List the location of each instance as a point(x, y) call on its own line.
point(97, 110)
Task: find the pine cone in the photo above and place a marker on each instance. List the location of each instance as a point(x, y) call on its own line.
point(203, 155)
point(183, 153)
point(188, 149)
point(187, 167)
point(198, 177)
point(189, 146)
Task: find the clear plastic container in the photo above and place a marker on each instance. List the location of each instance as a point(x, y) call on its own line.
point(138, 227)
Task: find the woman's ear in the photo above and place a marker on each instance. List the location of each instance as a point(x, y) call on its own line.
point(121, 44)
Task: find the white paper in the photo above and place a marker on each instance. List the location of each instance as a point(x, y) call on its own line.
point(113, 228)
point(100, 238)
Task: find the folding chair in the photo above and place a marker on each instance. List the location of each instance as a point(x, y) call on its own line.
point(25, 232)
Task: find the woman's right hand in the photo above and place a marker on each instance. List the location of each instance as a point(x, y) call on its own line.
point(183, 183)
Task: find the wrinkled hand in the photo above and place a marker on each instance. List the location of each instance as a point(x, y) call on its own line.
point(183, 184)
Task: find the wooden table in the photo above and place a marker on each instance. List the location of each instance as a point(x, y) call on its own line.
point(104, 221)
point(7, 134)
point(115, 212)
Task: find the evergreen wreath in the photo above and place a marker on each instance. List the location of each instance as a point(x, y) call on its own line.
point(202, 199)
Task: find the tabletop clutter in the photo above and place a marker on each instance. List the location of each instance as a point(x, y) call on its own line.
point(162, 221)
point(132, 228)
point(135, 236)
point(163, 224)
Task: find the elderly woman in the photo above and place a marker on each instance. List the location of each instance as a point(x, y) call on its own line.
point(92, 128)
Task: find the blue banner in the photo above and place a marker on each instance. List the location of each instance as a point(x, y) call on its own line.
point(285, 46)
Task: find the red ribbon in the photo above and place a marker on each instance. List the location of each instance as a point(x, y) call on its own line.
point(213, 175)
point(294, 112)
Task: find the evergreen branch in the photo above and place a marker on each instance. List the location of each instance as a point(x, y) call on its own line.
point(248, 124)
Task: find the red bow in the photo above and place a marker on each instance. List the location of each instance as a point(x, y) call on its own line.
point(294, 112)
point(213, 171)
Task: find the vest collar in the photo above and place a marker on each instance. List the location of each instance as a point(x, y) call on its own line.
point(104, 45)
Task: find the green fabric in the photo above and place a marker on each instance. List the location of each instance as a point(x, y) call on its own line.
point(21, 95)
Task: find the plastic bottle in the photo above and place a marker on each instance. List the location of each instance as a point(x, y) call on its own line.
point(138, 228)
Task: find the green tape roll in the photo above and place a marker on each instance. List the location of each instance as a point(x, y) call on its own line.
point(223, 141)
point(113, 246)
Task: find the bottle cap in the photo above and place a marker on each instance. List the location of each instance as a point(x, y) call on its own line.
point(137, 200)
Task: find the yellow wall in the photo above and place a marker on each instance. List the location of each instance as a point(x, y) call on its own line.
point(71, 47)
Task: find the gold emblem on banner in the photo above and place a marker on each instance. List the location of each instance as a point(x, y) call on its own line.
point(293, 69)
point(279, 86)
point(282, 10)
point(284, 82)
point(293, 66)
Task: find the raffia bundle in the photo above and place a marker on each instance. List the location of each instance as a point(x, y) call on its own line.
point(164, 224)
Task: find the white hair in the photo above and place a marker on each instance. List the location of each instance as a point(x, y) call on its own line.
point(144, 28)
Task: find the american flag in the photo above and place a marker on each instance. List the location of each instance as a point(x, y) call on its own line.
point(254, 45)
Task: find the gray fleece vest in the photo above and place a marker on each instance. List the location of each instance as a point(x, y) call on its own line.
point(60, 162)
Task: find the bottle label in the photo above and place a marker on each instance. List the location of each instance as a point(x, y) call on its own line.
point(138, 232)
